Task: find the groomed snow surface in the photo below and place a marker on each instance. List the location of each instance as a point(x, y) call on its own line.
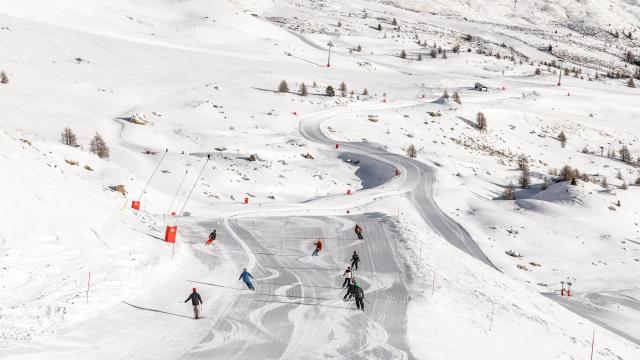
point(82, 275)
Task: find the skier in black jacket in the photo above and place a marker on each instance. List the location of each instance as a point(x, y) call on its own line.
point(212, 237)
point(350, 288)
point(196, 301)
point(355, 259)
point(358, 293)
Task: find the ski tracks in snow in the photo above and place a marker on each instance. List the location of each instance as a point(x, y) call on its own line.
point(297, 310)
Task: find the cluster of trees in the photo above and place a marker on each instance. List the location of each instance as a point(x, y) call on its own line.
point(624, 154)
point(4, 79)
point(523, 165)
point(568, 173)
point(435, 51)
point(97, 145)
point(283, 87)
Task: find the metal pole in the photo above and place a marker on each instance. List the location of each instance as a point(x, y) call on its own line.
point(560, 77)
point(191, 192)
point(177, 191)
point(593, 340)
point(492, 312)
point(152, 174)
point(433, 287)
point(88, 283)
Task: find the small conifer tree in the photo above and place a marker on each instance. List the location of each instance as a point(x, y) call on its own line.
point(562, 138)
point(456, 97)
point(68, 137)
point(412, 152)
point(283, 86)
point(303, 90)
point(329, 91)
point(481, 121)
point(99, 147)
point(508, 192)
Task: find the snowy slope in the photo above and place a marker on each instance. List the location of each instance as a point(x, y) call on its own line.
point(56, 229)
point(205, 74)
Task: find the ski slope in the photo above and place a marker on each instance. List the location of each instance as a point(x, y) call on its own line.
point(417, 181)
point(84, 276)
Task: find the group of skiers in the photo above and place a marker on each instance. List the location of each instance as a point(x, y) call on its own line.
point(353, 287)
point(354, 291)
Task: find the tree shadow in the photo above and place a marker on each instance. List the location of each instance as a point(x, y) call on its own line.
point(155, 236)
point(303, 59)
point(288, 92)
point(155, 310)
point(469, 122)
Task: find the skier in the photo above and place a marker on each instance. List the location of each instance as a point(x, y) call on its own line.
point(347, 277)
point(358, 231)
point(350, 288)
point(318, 245)
point(212, 237)
point(355, 259)
point(358, 293)
point(196, 301)
point(246, 277)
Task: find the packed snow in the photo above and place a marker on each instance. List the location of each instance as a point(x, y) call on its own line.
point(460, 259)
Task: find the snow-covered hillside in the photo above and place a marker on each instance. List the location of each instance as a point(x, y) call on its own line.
point(84, 275)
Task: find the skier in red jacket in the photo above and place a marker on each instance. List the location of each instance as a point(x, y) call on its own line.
point(358, 231)
point(318, 245)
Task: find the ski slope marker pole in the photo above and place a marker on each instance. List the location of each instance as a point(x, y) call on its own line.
point(433, 286)
point(492, 312)
point(88, 283)
point(593, 340)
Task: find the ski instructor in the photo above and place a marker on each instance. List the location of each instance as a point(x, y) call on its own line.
point(196, 301)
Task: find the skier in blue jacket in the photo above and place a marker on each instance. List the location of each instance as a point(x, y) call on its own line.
point(246, 277)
